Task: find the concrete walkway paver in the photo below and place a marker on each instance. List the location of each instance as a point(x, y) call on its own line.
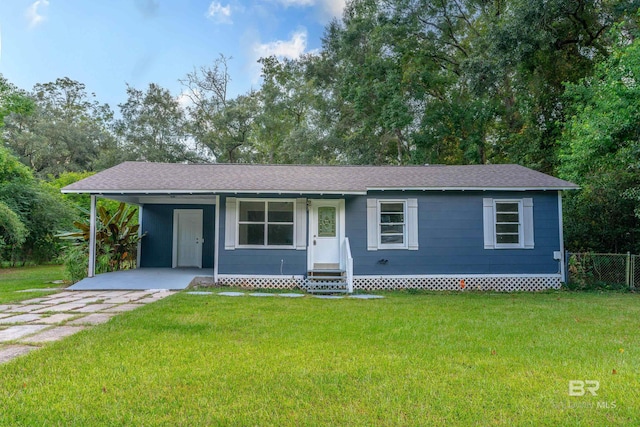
point(54, 334)
point(56, 318)
point(123, 307)
point(24, 308)
point(68, 306)
point(53, 317)
point(93, 319)
point(12, 351)
point(13, 333)
point(20, 318)
point(92, 308)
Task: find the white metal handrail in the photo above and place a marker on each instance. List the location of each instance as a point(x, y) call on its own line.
point(348, 263)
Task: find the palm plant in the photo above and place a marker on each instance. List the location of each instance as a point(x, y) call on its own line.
point(117, 237)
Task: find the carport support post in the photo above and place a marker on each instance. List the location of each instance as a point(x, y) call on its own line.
point(92, 237)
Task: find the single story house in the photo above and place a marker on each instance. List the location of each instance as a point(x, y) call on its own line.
point(328, 228)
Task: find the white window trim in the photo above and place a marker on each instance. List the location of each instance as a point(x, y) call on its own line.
point(265, 246)
point(404, 244)
point(525, 218)
point(410, 241)
point(520, 244)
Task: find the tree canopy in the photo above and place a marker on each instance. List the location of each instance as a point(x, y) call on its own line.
point(548, 84)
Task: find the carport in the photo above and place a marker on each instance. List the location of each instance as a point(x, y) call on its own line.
point(142, 279)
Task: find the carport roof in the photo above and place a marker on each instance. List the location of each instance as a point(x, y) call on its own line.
point(178, 178)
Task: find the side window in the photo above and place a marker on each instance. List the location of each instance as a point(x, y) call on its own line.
point(508, 226)
point(392, 224)
point(508, 223)
point(392, 227)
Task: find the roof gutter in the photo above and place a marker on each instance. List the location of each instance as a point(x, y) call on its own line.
point(332, 192)
point(209, 192)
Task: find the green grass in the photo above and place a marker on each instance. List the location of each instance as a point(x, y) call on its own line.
point(32, 277)
point(424, 359)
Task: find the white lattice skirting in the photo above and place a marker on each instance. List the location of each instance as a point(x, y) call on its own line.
point(265, 282)
point(501, 283)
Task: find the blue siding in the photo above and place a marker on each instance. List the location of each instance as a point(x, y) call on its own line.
point(258, 261)
point(450, 235)
point(451, 240)
point(157, 223)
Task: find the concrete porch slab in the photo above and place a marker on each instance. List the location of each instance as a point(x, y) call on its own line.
point(142, 279)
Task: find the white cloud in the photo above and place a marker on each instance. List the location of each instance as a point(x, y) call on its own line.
point(219, 13)
point(328, 8)
point(333, 8)
point(298, 3)
point(291, 49)
point(34, 12)
point(185, 99)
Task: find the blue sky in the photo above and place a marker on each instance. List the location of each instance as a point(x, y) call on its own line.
point(107, 44)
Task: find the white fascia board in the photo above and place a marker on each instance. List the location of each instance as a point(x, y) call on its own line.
point(211, 192)
point(138, 192)
point(470, 188)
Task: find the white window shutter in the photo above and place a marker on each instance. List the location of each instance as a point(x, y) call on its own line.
point(301, 224)
point(488, 219)
point(372, 225)
point(412, 224)
point(527, 222)
point(230, 223)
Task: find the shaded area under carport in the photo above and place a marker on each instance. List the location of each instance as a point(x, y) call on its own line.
point(142, 279)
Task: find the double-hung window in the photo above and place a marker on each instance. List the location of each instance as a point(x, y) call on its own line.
point(392, 228)
point(266, 223)
point(392, 224)
point(508, 223)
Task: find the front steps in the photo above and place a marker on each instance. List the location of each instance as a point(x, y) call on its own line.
point(326, 282)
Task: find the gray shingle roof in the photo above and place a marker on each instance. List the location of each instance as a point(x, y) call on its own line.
point(142, 177)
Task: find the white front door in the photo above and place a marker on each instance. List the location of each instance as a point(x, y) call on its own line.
point(326, 232)
point(187, 238)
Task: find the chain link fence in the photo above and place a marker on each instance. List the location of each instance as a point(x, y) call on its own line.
point(603, 271)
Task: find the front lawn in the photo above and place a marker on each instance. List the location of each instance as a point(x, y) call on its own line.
point(28, 278)
point(409, 359)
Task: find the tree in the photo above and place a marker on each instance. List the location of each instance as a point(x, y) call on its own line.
point(12, 101)
point(66, 131)
point(152, 127)
point(294, 121)
point(31, 215)
point(218, 122)
point(12, 230)
point(448, 81)
point(600, 148)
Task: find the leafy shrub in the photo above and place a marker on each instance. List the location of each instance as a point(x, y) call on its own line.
point(116, 240)
point(76, 261)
